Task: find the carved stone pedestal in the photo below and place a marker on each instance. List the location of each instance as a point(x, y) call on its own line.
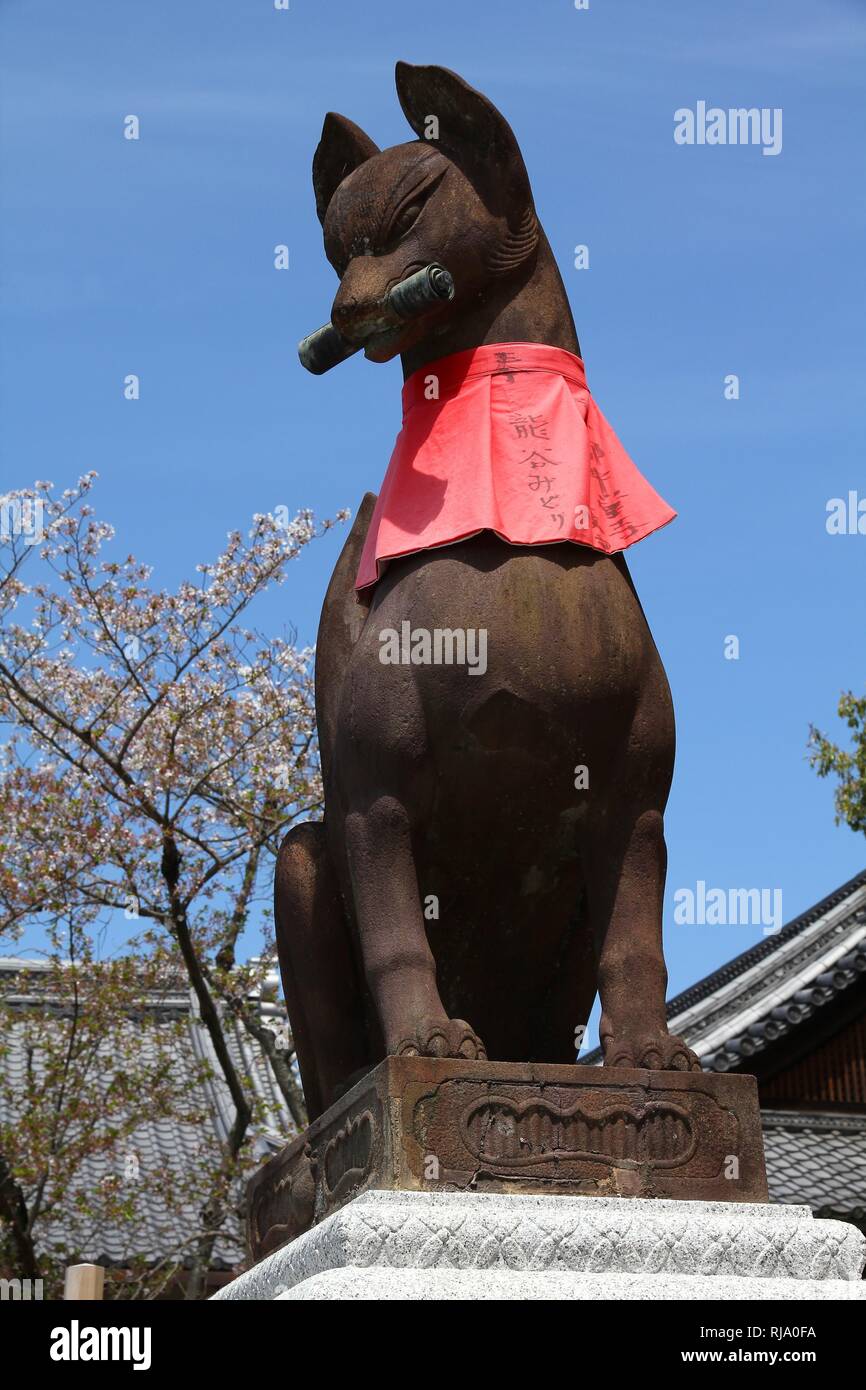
point(425, 1125)
point(490, 1180)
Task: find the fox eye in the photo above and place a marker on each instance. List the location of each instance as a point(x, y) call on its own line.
point(405, 218)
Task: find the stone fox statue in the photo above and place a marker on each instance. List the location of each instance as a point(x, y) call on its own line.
point(492, 851)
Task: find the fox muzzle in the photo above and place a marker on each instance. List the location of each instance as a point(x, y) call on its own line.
point(410, 299)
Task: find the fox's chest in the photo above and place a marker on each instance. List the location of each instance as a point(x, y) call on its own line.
point(546, 631)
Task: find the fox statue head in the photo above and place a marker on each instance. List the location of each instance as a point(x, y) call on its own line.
point(459, 195)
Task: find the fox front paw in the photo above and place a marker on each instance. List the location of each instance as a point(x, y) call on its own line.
point(451, 1037)
point(649, 1051)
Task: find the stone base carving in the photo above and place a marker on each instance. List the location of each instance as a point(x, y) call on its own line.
point(463, 1245)
point(433, 1125)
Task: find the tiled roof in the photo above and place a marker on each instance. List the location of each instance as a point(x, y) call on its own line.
point(167, 1147)
point(817, 1159)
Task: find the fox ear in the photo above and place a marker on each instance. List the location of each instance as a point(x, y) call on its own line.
point(341, 149)
point(471, 132)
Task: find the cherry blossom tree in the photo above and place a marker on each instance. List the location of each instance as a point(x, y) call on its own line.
point(88, 1061)
point(157, 749)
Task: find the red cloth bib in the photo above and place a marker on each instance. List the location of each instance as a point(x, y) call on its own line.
point(507, 438)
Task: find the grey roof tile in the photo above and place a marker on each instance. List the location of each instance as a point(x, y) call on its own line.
point(817, 1159)
point(165, 1146)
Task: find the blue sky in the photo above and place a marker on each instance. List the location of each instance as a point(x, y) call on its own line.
point(156, 257)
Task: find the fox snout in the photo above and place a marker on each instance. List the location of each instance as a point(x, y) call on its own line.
point(412, 298)
point(360, 305)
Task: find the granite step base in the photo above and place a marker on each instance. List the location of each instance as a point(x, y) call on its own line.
point(460, 1245)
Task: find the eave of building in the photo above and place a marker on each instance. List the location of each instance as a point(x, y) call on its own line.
point(777, 986)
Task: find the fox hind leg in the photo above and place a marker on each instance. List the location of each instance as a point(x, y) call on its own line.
point(321, 985)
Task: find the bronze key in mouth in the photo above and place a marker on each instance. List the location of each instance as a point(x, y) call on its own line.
point(410, 299)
